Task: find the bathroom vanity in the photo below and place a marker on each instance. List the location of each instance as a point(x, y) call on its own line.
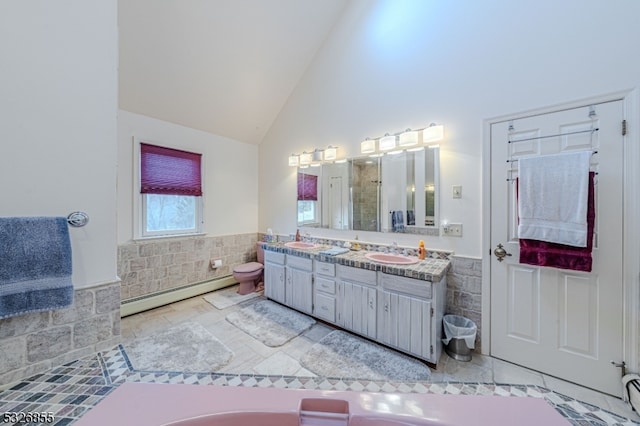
point(400, 306)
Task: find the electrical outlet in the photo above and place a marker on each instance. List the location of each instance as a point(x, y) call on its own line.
point(453, 230)
point(457, 191)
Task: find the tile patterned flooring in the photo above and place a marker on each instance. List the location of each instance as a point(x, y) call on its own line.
point(70, 390)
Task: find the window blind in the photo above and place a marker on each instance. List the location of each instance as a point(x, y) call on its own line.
point(307, 187)
point(169, 171)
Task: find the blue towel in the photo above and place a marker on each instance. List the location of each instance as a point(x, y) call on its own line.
point(35, 265)
point(397, 220)
point(335, 251)
point(411, 217)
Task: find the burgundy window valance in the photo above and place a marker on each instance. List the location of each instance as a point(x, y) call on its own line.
point(307, 187)
point(169, 171)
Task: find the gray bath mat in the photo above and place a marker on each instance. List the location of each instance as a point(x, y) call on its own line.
point(229, 296)
point(185, 347)
point(269, 322)
point(342, 355)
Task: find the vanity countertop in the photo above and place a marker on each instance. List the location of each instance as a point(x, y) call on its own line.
point(430, 269)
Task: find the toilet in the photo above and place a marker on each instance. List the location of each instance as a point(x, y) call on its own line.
point(249, 275)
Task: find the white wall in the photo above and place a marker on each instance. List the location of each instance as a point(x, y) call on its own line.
point(230, 172)
point(58, 106)
point(391, 64)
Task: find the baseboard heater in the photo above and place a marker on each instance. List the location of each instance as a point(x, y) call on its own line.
point(144, 303)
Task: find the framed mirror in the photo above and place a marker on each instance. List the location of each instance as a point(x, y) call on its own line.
point(392, 193)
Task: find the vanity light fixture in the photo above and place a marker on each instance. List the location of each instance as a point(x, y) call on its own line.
point(306, 158)
point(387, 142)
point(330, 153)
point(316, 155)
point(294, 160)
point(433, 133)
point(368, 146)
point(408, 138)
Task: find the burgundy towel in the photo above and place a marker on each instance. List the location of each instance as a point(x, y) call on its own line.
point(542, 253)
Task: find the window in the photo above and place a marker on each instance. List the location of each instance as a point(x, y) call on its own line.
point(171, 191)
point(307, 198)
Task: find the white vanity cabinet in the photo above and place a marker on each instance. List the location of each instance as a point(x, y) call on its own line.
point(299, 283)
point(274, 276)
point(357, 300)
point(400, 312)
point(410, 315)
point(324, 291)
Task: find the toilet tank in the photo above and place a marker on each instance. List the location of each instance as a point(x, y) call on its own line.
point(260, 251)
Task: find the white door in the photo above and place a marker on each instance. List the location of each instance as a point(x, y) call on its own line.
point(299, 293)
point(563, 323)
point(357, 310)
point(405, 323)
point(274, 287)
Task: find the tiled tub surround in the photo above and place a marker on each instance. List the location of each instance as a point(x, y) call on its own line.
point(36, 342)
point(150, 266)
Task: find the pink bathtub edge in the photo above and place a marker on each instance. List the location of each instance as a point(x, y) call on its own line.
point(149, 404)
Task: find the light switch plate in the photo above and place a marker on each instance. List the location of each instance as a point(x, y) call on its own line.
point(457, 191)
point(453, 230)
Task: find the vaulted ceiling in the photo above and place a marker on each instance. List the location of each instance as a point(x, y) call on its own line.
point(222, 66)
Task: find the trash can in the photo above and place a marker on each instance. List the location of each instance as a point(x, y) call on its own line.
point(460, 337)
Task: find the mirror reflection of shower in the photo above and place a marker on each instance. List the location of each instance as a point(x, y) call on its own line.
point(364, 186)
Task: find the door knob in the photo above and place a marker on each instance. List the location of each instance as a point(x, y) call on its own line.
point(500, 253)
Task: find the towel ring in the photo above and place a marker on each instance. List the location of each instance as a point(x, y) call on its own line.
point(78, 219)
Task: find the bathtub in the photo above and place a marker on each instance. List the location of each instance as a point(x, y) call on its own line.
point(149, 404)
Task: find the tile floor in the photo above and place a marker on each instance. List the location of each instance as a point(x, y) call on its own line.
point(72, 389)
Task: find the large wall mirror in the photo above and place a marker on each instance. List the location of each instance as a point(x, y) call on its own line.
point(392, 193)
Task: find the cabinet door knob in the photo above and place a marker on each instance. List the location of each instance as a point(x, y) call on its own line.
point(386, 307)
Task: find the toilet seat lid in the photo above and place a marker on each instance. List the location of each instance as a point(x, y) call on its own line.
point(248, 267)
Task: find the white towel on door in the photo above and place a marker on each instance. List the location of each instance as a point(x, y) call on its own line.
point(552, 198)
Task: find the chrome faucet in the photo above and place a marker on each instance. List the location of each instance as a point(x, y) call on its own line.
point(394, 248)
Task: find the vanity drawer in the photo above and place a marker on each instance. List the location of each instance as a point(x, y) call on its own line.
point(325, 286)
point(324, 268)
point(363, 276)
point(406, 285)
point(300, 263)
point(325, 307)
point(274, 257)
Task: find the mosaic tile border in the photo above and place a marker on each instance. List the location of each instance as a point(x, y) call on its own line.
point(71, 390)
point(431, 269)
point(409, 251)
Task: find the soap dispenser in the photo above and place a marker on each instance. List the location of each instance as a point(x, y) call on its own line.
point(356, 244)
point(422, 252)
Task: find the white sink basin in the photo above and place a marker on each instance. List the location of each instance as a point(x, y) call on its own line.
point(301, 245)
point(394, 259)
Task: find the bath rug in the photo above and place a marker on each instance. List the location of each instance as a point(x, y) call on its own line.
point(342, 355)
point(229, 296)
point(185, 347)
point(271, 323)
